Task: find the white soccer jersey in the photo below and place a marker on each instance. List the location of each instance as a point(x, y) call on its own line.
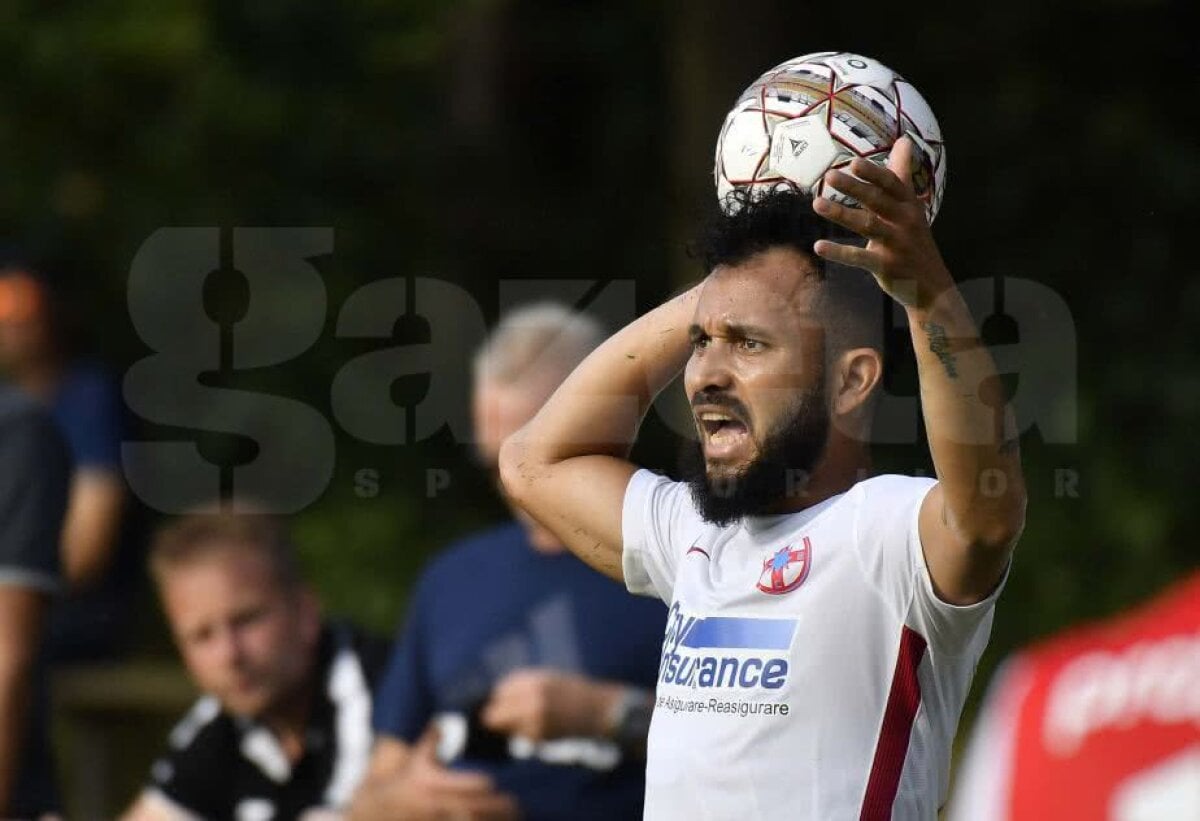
point(808, 669)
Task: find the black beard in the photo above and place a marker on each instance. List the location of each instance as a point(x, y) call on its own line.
point(787, 458)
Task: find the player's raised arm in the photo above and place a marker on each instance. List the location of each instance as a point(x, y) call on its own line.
point(568, 466)
point(971, 520)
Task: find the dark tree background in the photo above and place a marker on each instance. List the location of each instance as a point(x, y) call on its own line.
point(494, 139)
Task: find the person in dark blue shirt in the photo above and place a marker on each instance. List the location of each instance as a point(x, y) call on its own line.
point(522, 681)
point(99, 561)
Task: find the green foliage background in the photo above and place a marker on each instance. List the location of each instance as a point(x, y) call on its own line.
point(484, 139)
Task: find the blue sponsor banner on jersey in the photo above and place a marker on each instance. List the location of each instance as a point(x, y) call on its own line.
point(734, 633)
point(724, 652)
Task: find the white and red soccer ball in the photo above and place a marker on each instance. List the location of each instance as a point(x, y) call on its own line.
point(820, 111)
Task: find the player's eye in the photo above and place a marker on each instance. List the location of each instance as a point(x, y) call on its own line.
point(700, 341)
point(752, 345)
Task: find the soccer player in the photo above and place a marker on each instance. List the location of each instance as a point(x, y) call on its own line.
point(284, 727)
point(546, 668)
point(823, 629)
point(1102, 722)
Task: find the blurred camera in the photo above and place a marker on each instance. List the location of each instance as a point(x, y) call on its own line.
point(464, 736)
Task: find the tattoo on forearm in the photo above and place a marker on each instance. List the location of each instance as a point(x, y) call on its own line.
point(939, 346)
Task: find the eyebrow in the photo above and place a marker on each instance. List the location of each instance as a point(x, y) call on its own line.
point(735, 330)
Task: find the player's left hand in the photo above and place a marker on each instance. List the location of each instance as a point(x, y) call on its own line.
point(900, 250)
point(541, 704)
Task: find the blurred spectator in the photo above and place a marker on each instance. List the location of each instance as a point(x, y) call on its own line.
point(85, 401)
point(34, 475)
point(527, 672)
point(1100, 724)
point(284, 727)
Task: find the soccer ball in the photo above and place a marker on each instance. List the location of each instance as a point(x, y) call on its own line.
point(820, 111)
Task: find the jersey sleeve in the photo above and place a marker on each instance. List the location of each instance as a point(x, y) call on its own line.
point(403, 706)
point(189, 774)
point(888, 539)
point(657, 518)
point(34, 480)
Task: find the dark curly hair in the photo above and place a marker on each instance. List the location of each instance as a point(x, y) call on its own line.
point(850, 300)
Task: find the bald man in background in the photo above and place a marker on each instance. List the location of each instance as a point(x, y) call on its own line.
point(522, 681)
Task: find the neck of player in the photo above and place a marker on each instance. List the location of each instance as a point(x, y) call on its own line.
point(844, 463)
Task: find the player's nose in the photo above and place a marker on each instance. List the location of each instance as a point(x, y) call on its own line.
point(710, 372)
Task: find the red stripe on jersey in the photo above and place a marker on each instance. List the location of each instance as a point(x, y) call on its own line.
point(892, 747)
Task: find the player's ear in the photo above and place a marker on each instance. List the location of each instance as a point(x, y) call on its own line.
point(857, 376)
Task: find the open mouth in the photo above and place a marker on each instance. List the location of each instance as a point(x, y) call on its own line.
point(723, 432)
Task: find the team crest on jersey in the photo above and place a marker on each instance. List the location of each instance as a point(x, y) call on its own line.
point(785, 569)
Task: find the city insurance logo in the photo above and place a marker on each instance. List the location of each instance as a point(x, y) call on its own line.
point(193, 381)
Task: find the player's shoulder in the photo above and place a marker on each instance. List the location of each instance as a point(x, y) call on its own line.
point(892, 483)
point(888, 490)
point(645, 479)
point(661, 495)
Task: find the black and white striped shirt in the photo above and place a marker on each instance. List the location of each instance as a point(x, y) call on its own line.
point(220, 766)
